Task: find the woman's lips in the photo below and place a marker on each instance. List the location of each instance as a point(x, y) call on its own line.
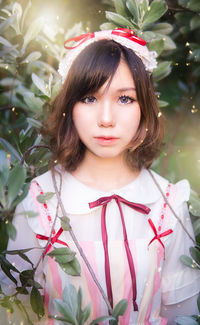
point(106, 140)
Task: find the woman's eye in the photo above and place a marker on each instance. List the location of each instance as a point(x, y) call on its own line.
point(126, 99)
point(88, 100)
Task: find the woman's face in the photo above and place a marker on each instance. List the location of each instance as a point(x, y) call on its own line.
point(106, 121)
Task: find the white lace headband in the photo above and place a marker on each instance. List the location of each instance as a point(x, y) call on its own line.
point(122, 36)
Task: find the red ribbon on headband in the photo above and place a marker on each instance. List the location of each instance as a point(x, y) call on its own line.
point(123, 32)
point(129, 34)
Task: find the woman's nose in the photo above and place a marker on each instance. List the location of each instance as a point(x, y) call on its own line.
point(106, 115)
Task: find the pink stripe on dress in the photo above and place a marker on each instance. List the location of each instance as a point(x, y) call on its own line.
point(47, 311)
point(55, 276)
point(95, 296)
point(127, 283)
point(157, 280)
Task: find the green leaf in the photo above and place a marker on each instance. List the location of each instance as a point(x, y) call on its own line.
point(17, 11)
point(196, 227)
point(70, 299)
point(33, 283)
point(120, 7)
point(4, 167)
point(34, 103)
point(195, 253)
point(10, 149)
point(25, 13)
point(33, 30)
point(40, 84)
point(5, 42)
point(42, 198)
point(106, 26)
point(195, 22)
point(25, 258)
point(190, 4)
point(134, 9)
point(86, 313)
point(188, 261)
point(143, 5)
point(198, 302)
point(156, 10)
point(162, 103)
point(22, 290)
point(101, 319)
point(32, 57)
point(25, 276)
point(156, 45)
point(194, 206)
point(36, 124)
point(6, 266)
point(185, 320)
point(22, 196)
point(120, 308)
point(148, 36)
point(11, 230)
point(169, 43)
point(37, 302)
point(71, 268)
point(163, 69)
point(65, 311)
point(118, 19)
point(17, 251)
point(28, 214)
point(62, 255)
point(16, 180)
point(6, 24)
point(79, 301)
point(162, 28)
point(65, 223)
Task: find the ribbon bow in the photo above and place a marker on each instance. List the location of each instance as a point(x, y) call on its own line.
point(53, 240)
point(158, 236)
point(136, 206)
point(123, 32)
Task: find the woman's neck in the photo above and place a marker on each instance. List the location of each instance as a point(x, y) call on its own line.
point(104, 173)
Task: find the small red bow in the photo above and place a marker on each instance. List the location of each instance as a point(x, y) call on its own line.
point(123, 32)
point(158, 236)
point(53, 240)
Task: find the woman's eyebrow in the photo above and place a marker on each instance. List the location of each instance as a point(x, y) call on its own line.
point(125, 89)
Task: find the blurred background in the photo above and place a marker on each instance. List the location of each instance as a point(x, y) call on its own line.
point(32, 34)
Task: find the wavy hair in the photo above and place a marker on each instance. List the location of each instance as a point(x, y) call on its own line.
point(96, 64)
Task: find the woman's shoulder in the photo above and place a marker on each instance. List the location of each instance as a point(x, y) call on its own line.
point(153, 186)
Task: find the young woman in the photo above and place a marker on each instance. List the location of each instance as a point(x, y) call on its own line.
point(106, 129)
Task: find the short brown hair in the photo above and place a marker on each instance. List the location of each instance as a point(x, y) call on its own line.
point(95, 65)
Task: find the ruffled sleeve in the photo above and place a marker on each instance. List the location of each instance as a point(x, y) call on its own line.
point(179, 282)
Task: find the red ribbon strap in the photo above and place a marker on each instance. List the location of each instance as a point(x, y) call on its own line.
point(82, 38)
point(53, 240)
point(129, 34)
point(123, 32)
point(136, 206)
point(158, 236)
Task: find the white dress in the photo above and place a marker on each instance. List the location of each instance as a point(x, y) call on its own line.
point(155, 245)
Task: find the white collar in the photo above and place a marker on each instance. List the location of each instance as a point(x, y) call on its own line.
point(76, 196)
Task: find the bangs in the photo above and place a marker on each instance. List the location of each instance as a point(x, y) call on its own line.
point(96, 64)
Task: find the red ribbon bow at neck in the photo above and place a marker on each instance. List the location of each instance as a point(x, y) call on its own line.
point(136, 206)
point(123, 32)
